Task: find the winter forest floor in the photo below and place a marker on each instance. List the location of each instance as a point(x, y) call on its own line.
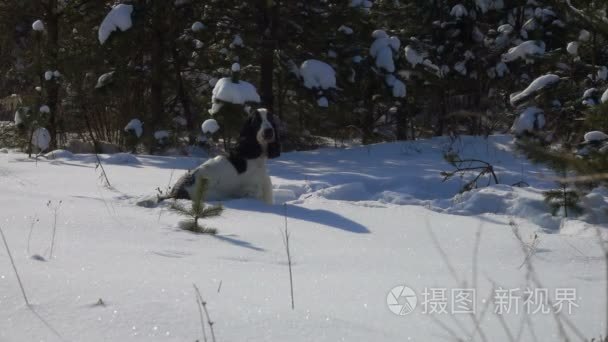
point(362, 221)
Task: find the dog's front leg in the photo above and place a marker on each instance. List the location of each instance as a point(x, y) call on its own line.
point(267, 190)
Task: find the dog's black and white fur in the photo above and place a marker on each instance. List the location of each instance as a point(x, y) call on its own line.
point(243, 172)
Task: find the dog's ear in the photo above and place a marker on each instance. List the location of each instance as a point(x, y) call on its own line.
point(248, 146)
point(274, 148)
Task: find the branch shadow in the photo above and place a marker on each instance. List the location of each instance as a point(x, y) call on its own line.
point(46, 323)
point(318, 216)
point(231, 239)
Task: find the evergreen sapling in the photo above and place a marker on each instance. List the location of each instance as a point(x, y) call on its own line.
point(198, 210)
point(563, 197)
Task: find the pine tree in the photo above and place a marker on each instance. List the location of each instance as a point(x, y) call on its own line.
point(198, 210)
point(565, 198)
point(573, 107)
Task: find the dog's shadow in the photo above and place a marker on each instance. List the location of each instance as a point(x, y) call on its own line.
point(318, 216)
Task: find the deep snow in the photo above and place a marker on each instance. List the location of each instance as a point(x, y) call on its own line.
point(362, 220)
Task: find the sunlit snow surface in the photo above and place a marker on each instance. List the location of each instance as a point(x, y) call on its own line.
point(362, 220)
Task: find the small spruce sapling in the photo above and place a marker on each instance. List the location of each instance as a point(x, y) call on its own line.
point(198, 210)
point(563, 197)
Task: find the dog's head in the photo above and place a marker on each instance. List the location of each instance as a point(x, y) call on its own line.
point(259, 136)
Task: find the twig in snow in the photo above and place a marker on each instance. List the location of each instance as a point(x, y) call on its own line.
point(167, 191)
point(475, 320)
point(463, 166)
point(532, 277)
point(104, 175)
point(531, 248)
point(10, 256)
point(285, 234)
point(29, 237)
point(203, 304)
point(200, 315)
point(55, 210)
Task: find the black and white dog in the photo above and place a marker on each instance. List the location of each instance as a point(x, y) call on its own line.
point(243, 172)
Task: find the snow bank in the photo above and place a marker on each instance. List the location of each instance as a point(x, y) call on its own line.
point(122, 159)
point(506, 200)
point(119, 18)
point(317, 74)
point(210, 126)
point(408, 174)
point(595, 204)
point(237, 93)
point(59, 154)
point(344, 192)
point(537, 85)
point(136, 126)
point(282, 196)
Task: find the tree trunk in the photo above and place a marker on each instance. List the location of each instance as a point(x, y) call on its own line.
point(442, 113)
point(184, 97)
point(268, 24)
point(52, 89)
point(157, 75)
point(402, 122)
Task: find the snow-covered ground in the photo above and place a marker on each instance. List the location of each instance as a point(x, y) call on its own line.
point(362, 221)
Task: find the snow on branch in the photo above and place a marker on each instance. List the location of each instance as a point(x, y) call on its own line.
point(537, 85)
point(382, 50)
point(119, 18)
point(317, 74)
point(228, 91)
